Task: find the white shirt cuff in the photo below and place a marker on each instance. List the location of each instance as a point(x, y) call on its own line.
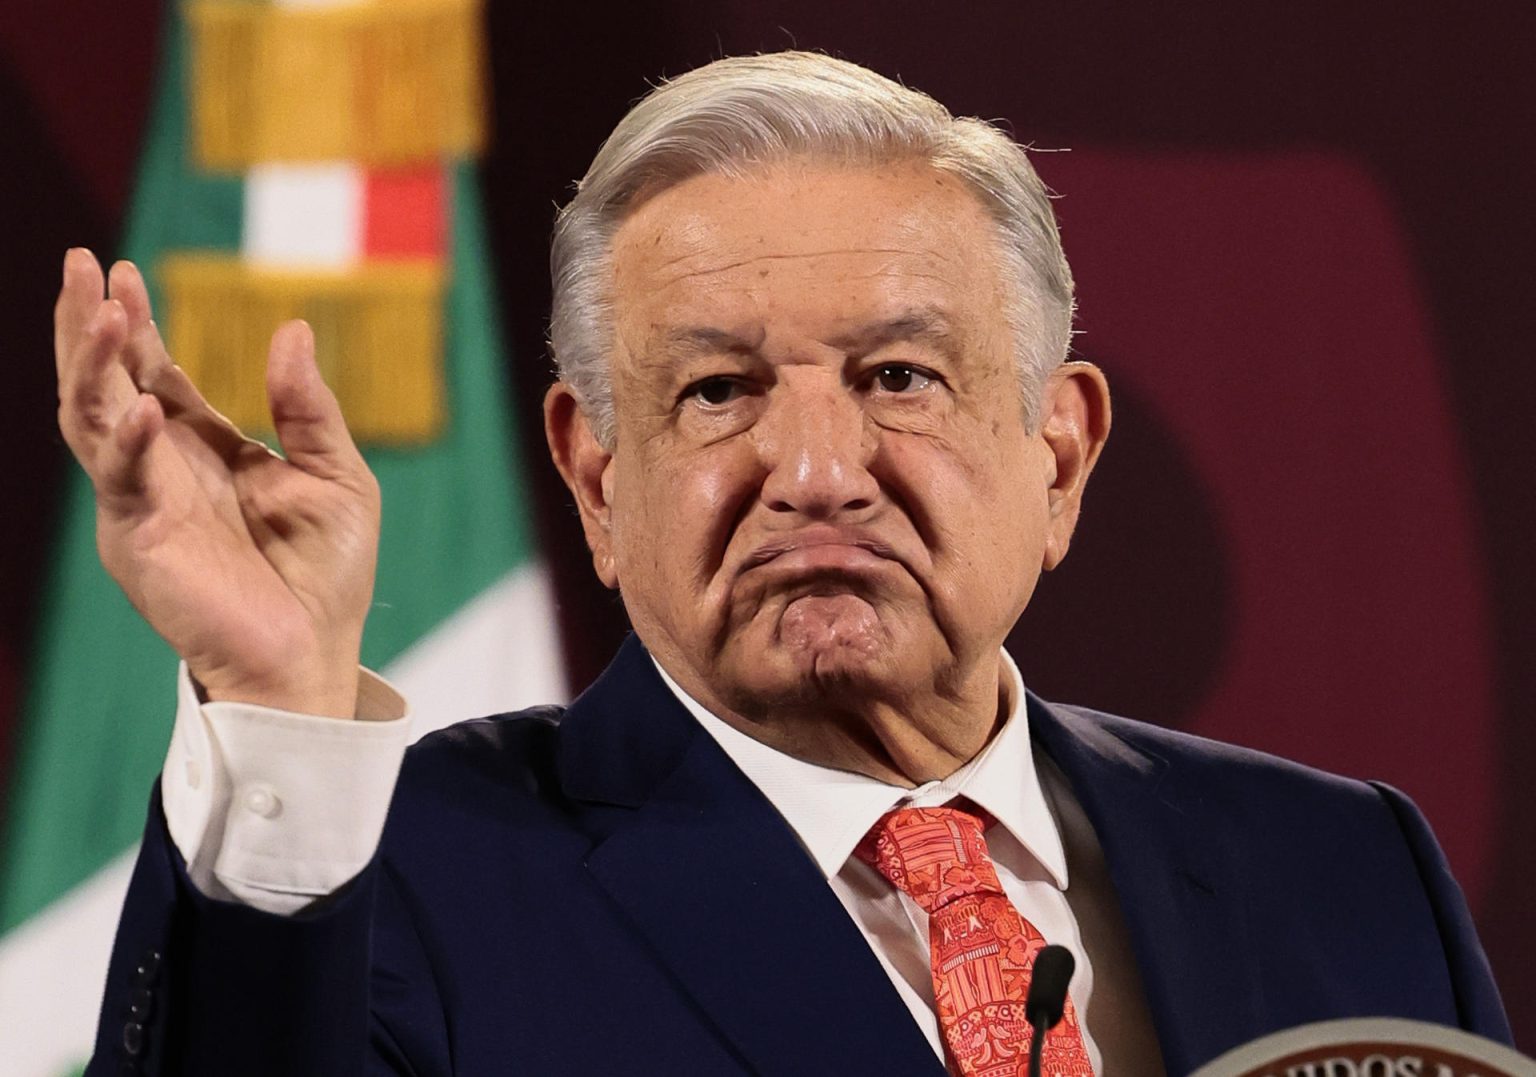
point(276, 809)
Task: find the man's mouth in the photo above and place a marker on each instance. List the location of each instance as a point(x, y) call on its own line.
point(821, 548)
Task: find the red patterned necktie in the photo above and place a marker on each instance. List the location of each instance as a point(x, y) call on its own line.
point(981, 949)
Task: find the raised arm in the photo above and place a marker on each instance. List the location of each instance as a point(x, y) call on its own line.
point(258, 570)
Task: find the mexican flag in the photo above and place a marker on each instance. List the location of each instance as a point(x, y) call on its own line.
point(302, 160)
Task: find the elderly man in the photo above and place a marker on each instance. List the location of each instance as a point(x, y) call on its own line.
point(815, 412)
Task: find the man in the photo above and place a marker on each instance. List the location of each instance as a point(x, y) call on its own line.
point(817, 418)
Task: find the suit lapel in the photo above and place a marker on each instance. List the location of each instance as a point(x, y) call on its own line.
point(712, 877)
point(1169, 868)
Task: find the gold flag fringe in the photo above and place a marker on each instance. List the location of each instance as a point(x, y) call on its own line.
point(378, 338)
point(380, 83)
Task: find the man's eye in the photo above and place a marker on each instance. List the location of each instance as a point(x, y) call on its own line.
point(715, 391)
point(901, 378)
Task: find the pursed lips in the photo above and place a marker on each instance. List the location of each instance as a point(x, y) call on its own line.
point(822, 548)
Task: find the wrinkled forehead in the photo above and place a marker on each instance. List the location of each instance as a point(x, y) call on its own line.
point(806, 247)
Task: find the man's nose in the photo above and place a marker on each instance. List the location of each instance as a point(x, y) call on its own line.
point(817, 446)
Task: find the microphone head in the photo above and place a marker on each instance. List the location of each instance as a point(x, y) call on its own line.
point(1048, 981)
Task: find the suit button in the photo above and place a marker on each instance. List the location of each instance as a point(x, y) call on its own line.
point(142, 1006)
point(147, 969)
point(133, 1038)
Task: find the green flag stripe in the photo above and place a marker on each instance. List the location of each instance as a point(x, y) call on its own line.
point(456, 514)
point(98, 709)
point(175, 206)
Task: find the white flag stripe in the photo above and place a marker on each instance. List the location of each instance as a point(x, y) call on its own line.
point(499, 652)
point(303, 216)
point(52, 969)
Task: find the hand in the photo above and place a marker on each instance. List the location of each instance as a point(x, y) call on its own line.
point(256, 568)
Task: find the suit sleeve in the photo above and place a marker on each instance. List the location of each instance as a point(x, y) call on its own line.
point(1479, 1008)
point(200, 986)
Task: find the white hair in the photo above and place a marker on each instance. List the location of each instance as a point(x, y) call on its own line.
point(742, 112)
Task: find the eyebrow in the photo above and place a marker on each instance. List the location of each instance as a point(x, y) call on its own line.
point(928, 325)
point(694, 340)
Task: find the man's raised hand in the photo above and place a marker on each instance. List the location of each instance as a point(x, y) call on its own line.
point(257, 569)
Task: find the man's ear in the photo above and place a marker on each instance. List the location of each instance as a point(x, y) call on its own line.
point(587, 469)
point(1074, 424)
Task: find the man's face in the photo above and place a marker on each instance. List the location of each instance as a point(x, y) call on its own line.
point(822, 485)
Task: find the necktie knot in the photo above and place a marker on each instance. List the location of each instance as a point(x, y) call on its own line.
point(935, 855)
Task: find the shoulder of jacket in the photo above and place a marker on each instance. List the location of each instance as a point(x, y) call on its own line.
point(1191, 758)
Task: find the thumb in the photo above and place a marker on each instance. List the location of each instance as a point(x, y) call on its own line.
point(305, 414)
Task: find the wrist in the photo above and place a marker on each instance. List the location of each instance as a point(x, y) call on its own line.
point(329, 691)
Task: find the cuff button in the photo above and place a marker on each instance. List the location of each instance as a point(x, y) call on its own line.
point(261, 800)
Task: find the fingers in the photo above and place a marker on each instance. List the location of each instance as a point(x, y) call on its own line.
point(152, 371)
point(92, 337)
point(122, 473)
point(126, 285)
point(94, 391)
point(305, 414)
point(145, 354)
point(79, 296)
point(111, 360)
point(109, 425)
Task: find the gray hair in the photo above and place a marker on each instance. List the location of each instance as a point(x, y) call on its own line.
point(746, 111)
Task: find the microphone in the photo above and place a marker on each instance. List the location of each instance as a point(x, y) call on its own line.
point(1047, 997)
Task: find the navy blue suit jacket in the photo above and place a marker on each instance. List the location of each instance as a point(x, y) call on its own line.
point(601, 891)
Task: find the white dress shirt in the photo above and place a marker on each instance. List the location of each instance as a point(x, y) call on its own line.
point(275, 809)
point(831, 810)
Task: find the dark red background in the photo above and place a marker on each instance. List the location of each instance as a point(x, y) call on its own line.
point(1303, 239)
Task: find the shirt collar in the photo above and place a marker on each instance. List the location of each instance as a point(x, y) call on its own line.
point(830, 810)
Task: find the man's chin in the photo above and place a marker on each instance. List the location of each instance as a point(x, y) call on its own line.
point(822, 647)
point(826, 632)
